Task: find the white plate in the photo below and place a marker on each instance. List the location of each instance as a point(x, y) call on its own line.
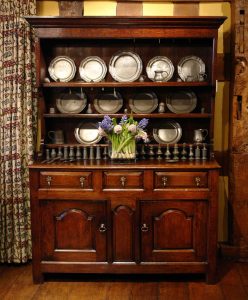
point(181, 102)
point(87, 133)
point(108, 103)
point(170, 132)
point(160, 68)
point(71, 103)
point(62, 68)
point(125, 66)
point(92, 69)
point(144, 103)
point(190, 67)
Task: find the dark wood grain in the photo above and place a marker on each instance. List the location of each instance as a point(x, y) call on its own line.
point(198, 290)
point(238, 131)
point(149, 216)
point(173, 290)
point(16, 283)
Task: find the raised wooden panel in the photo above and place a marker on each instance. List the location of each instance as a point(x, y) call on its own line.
point(74, 230)
point(173, 230)
point(123, 234)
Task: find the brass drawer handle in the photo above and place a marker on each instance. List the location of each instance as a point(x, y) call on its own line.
point(197, 181)
point(123, 180)
point(144, 227)
point(164, 180)
point(102, 228)
point(49, 180)
point(82, 180)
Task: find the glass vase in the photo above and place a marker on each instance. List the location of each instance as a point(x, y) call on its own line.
point(126, 152)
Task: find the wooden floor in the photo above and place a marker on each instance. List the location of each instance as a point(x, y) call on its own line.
point(16, 283)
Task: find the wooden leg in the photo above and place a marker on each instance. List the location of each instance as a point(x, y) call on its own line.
point(38, 277)
point(211, 277)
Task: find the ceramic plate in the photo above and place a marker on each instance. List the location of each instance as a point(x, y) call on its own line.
point(108, 103)
point(181, 102)
point(87, 133)
point(169, 133)
point(62, 68)
point(71, 103)
point(190, 67)
point(160, 68)
point(125, 66)
point(92, 69)
point(144, 103)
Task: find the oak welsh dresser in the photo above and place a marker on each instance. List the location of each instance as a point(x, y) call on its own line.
point(154, 215)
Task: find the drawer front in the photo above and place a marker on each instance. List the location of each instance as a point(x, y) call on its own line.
point(123, 180)
point(75, 180)
point(163, 180)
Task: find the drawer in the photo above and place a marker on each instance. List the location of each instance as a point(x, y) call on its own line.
point(74, 180)
point(163, 180)
point(123, 180)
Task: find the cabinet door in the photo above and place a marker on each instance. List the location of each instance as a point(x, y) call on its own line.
point(74, 230)
point(173, 230)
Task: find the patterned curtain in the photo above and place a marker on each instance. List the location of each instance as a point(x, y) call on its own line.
point(17, 128)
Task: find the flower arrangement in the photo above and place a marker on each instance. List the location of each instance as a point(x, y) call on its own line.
point(123, 135)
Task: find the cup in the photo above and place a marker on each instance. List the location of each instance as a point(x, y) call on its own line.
point(200, 135)
point(56, 136)
point(51, 110)
point(160, 75)
point(202, 76)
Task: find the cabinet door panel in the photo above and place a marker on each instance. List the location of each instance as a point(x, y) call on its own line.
point(72, 224)
point(173, 230)
point(74, 230)
point(123, 234)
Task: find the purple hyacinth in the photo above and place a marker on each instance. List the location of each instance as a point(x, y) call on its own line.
point(106, 124)
point(143, 123)
point(123, 120)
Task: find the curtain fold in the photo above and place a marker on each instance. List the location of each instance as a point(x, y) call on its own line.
point(17, 127)
point(17, 7)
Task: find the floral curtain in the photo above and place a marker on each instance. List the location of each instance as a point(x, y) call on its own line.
point(17, 127)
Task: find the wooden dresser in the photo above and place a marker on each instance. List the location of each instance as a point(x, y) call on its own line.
point(152, 215)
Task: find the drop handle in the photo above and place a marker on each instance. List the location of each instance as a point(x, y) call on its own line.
point(144, 228)
point(49, 180)
point(82, 181)
point(164, 180)
point(197, 181)
point(123, 180)
point(102, 227)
